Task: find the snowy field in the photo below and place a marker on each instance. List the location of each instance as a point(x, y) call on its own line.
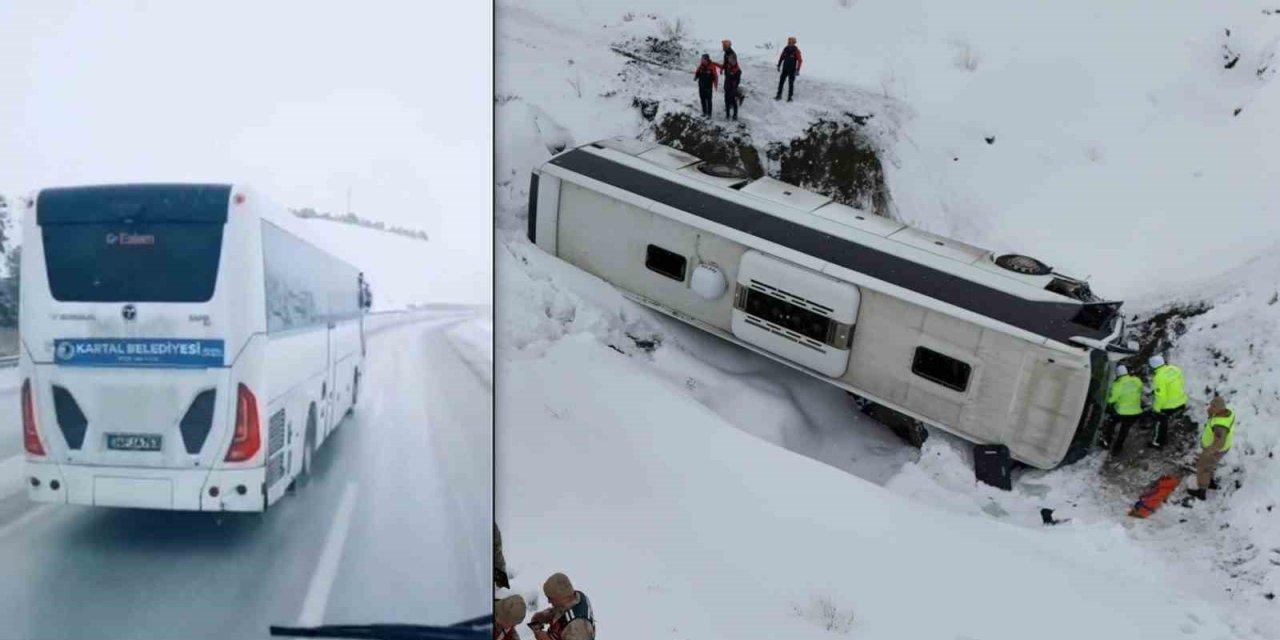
point(678, 525)
point(1118, 153)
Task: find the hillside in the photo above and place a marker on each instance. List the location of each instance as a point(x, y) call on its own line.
point(1111, 142)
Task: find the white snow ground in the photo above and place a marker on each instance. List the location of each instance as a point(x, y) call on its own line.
point(678, 525)
point(473, 341)
point(1116, 155)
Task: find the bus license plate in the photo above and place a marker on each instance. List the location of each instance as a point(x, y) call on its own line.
point(133, 442)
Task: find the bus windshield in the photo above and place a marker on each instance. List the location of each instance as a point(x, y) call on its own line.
point(139, 244)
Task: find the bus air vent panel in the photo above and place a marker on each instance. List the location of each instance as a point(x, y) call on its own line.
point(801, 315)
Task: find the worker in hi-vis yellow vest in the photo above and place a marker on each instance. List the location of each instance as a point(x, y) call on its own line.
point(1125, 404)
point(1169, 399)
point(1216, 438)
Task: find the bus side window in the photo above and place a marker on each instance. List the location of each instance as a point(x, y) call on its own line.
point(664, 262)
point(942, 369)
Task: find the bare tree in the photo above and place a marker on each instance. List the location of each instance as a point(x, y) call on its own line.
point(673, 31)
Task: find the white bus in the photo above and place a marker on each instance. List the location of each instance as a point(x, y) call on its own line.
point(998, 350)
point(181, 348)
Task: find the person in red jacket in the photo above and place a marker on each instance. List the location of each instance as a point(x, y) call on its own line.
point(727, 47)
point(789, 64)
point(732, 81)
point(707, 76)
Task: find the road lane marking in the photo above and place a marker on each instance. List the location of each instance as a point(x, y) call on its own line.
point(317, 599)
point(11, 475)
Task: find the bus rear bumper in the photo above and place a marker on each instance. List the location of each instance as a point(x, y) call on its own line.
point(142, 488)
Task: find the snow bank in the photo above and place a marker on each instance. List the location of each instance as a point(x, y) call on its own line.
point(474, 342)
point(678, 524)
point(1234, 350)
point(378, 322)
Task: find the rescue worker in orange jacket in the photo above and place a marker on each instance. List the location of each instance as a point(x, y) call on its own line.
point(707, 77)
point(789, 62)
point(732, 88)
point(727, 47)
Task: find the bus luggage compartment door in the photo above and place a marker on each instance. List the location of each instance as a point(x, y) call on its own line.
point(799, 314)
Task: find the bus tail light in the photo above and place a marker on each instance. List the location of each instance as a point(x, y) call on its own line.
point(30, 437)
point(247, 439)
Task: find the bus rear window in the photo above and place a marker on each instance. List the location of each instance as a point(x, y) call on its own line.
point(133, 243)
point(133, 261)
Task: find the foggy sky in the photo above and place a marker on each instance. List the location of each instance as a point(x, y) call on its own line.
point(301, 99)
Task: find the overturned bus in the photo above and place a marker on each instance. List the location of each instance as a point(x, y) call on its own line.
point(996, 350)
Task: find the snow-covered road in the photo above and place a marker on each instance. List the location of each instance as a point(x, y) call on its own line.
point(393, 527)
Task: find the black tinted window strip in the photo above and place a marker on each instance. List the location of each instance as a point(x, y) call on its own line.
point(1048, 319)
point(141, 203)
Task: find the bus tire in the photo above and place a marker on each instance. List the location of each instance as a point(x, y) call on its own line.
point(308, 446)
point(914, 433)
point(355, 392)
point(911, 431)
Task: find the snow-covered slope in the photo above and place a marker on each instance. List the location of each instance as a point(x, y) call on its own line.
point(401, 271)
point(680, 526)
point(1117, 152)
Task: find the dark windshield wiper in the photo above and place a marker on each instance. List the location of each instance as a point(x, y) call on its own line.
point(480, 628)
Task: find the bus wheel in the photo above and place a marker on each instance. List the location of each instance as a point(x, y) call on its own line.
point(309, 445)
point(911, 431)
point(355, 391)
